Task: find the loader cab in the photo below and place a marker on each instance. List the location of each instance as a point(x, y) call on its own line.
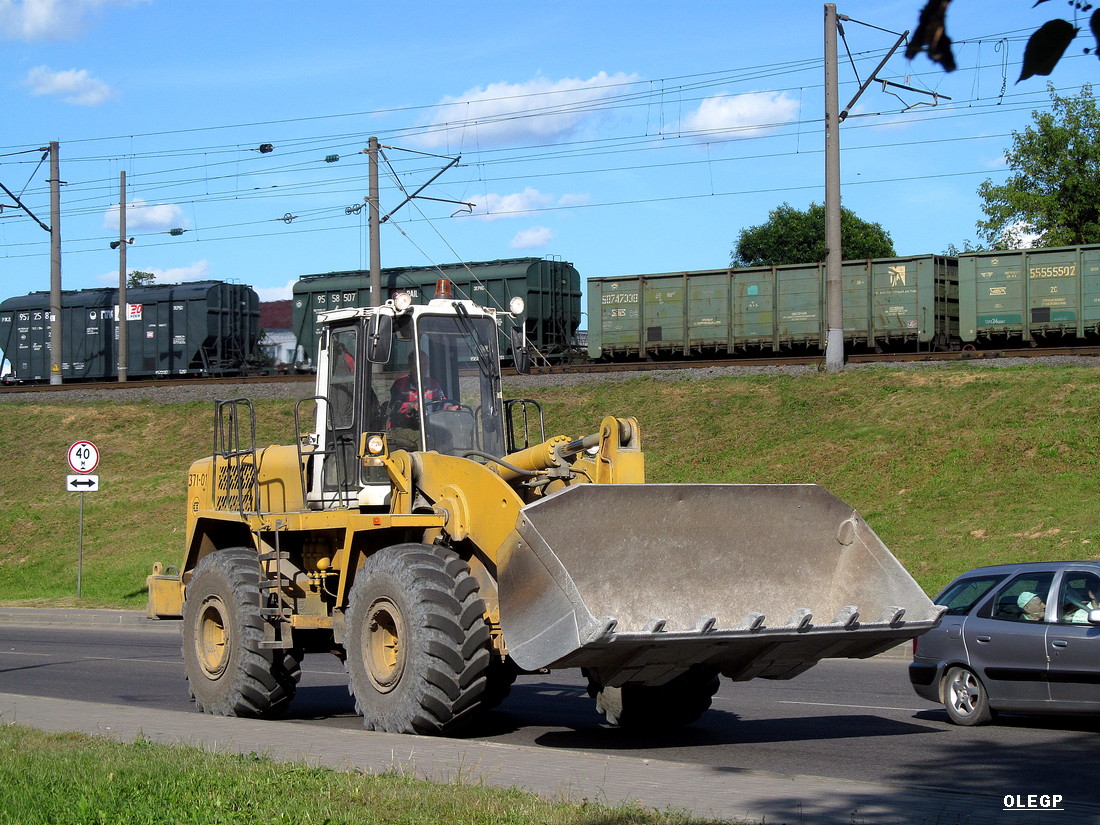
point(428, 377)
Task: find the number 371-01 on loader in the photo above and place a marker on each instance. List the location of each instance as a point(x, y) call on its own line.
point(432, 537)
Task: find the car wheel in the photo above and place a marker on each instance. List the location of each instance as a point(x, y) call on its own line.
point(964, 698)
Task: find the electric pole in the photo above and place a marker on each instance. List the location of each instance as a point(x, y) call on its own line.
point(120, 321)
point(834, 292)
point(375, 229)
point(55, 265)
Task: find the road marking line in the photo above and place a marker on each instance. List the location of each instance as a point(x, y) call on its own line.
point(860, 707)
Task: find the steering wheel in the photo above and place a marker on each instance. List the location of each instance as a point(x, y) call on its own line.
point(432, 407)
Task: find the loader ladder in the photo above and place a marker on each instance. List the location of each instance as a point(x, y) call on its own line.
point(237, 488)
point(275, 605)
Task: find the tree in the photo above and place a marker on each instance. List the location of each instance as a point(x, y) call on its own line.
point(1053, 195)
point(138, 278)
point(792, 236)
point(1044, 48)
point(954, 251)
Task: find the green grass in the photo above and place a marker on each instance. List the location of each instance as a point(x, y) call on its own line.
point(71, 779)
point(953, 467)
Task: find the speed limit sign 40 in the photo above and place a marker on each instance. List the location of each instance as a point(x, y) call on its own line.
point(83, 457)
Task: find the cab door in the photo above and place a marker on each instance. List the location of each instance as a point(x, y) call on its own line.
point(335, 470)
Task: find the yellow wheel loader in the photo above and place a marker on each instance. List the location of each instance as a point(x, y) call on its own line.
point(431, 536)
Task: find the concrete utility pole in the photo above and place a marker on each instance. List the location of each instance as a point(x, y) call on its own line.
point(120, 321)
point(834, 289)
point(375, 229)
point(55, 264)
point(834, 292)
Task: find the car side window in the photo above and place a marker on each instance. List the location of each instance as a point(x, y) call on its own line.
point(1023, 599)
point(960, 597)
point(1079, 593)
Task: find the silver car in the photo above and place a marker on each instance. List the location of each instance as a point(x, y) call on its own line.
point(1016, 637)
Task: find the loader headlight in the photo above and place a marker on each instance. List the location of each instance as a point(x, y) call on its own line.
point(372, 449)
point(402, 301)
point(516, 305)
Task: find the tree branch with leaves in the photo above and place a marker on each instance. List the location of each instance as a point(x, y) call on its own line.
point(1044, 48)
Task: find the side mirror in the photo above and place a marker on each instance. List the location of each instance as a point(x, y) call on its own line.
point(520, 356)
point(379, 337)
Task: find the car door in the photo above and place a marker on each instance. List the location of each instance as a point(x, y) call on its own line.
point(1007, 651)
point(1074, 645)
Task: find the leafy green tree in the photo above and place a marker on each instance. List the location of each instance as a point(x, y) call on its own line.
point(793, 236)
point(1053, 193)
point(954, 250)
point(139, 278)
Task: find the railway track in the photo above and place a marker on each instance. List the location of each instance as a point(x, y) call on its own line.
point(160, 382)
point(819, 359)
point(626, 366)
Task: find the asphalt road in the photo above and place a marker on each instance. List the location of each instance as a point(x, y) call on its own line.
point(844, 719)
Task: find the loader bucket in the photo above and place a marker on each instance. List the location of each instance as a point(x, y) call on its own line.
point(642, 581)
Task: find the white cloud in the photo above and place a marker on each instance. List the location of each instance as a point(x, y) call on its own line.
point(143, 217)
point(575, 199)
point(747, 115)
point(509, 113)
point(73, 85)
point(494, 207)
point(533, 238)
point(48, 19)
point(276, 293)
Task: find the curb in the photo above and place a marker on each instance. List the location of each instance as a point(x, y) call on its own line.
point(78, 617)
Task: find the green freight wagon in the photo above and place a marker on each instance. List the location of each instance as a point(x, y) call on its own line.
point(889, 303)
point(1029, 294)
point(204, 328)
point(551, 290)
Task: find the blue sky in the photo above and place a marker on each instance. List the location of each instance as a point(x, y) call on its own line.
point(625, 137)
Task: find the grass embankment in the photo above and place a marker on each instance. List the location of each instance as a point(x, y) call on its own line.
point(70, 779)
point(953, 467)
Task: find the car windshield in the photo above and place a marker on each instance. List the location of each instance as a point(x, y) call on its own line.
point(960, 597)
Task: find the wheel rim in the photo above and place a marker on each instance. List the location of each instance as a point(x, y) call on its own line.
point(385, 645)
point(213, 638)
point(965, 693)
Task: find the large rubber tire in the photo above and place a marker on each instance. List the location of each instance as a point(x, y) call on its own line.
point(965, 698)
point(675, 704)
point(228, 672)
point(417, 641)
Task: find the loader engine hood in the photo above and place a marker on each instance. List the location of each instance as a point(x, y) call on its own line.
point(644, 580)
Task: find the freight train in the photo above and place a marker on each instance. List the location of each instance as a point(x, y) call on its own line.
point(915, 303)
point(551, 290)
point(931, 302)
point(204, 328)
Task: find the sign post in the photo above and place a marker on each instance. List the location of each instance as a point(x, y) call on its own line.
point(83, 458)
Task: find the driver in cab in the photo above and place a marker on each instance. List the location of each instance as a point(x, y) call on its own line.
point(406, 393)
